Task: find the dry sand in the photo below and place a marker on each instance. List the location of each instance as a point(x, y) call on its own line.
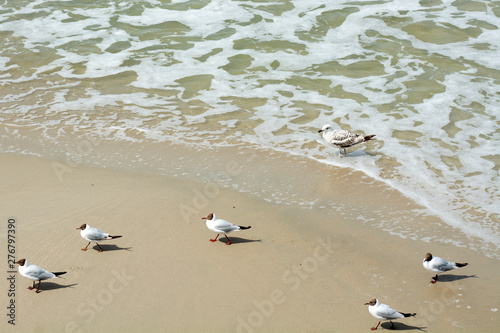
point(295, 270)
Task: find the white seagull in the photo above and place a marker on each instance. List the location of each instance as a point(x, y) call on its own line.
point(342, 139)
point(94, 235)
point(385, 312)
point(221, 226)
point(35, 273)
point(439, 265)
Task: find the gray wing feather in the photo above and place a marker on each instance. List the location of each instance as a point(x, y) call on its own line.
point(96, 235)
point(37, 273)
point(225, 226)
point(343, 138)
point(387, 312)
point(442, 265)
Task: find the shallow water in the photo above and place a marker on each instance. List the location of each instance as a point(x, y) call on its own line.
point(422, 75)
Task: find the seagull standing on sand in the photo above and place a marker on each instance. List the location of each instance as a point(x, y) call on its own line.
point(342, 139)
point(35, 273)
point(385, 312)
point(94, 235)
point(221, 226)
point(439, 265)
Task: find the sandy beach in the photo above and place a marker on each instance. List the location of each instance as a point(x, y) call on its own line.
point(295, 270)
point(141, 117)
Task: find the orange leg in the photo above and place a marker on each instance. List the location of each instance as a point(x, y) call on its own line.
point(213, 240)
point(31, 288)
point(374, 328)
point(38, 287)
point(85, 248)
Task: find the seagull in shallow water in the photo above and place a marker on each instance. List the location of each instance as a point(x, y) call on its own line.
point(439, 265)
point(35, 273)
point(342, 139)
point(385, 312)
point(94, 235)
point(221, 226)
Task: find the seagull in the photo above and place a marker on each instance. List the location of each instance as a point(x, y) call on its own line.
point(35, 273)
point(342, 139)
point(94, 235)
point(439, 265)
point(384, 311)
point(221, 226)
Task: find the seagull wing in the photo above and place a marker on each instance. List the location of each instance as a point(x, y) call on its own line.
point(343, 138)
point(386, 312)
point(224, 226)
point(441, 265)
point(95, 235)
point(34, 272)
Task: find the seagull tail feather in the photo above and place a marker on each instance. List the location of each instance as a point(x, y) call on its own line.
point(368, 137)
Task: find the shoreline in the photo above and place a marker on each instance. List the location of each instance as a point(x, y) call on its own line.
point(297, 269)
point(276, 177)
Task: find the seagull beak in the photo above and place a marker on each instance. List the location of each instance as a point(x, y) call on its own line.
point(320, 131)
point(203, 218)
point(367, 303)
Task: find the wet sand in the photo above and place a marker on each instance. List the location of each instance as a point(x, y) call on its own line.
point(295, 270)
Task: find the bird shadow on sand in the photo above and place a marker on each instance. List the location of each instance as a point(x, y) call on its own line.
point(111, 247)
point(453, 277)
point(237, 240)
point(46, 286)
point(401, 327)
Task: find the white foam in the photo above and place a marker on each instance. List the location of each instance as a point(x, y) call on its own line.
point(451, 175)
